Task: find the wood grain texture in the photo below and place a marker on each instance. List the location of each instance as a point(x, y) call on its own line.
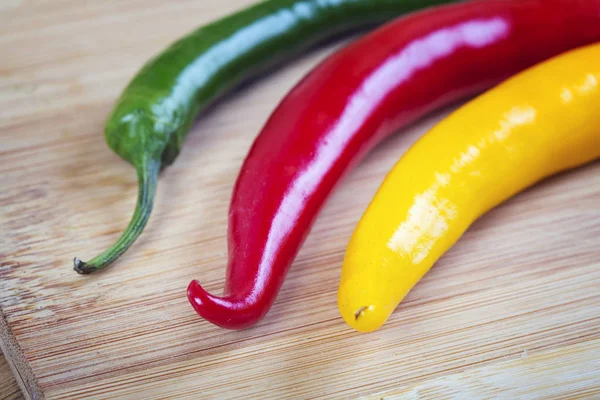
point(9, 390)
point(568, 372)
point(523, 280)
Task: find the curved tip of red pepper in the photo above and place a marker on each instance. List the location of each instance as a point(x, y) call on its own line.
point(223, 311)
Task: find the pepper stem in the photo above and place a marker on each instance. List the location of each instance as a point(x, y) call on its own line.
point(147, 172)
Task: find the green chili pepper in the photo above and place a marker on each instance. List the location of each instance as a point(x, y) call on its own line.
point(153, 115)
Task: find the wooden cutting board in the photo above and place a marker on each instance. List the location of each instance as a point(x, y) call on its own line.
point(512, 311)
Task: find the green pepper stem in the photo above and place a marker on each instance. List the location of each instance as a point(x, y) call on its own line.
point(147, 172)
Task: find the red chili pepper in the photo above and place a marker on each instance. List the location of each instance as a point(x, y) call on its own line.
point(351, 102)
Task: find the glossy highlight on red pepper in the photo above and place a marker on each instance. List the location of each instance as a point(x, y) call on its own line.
point(352, 101)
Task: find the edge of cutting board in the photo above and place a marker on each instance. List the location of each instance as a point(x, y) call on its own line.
point(18, 363)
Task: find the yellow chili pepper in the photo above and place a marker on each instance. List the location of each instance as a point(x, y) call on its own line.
point(540, 122)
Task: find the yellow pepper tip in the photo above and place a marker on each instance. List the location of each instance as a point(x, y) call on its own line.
point(365, 318)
